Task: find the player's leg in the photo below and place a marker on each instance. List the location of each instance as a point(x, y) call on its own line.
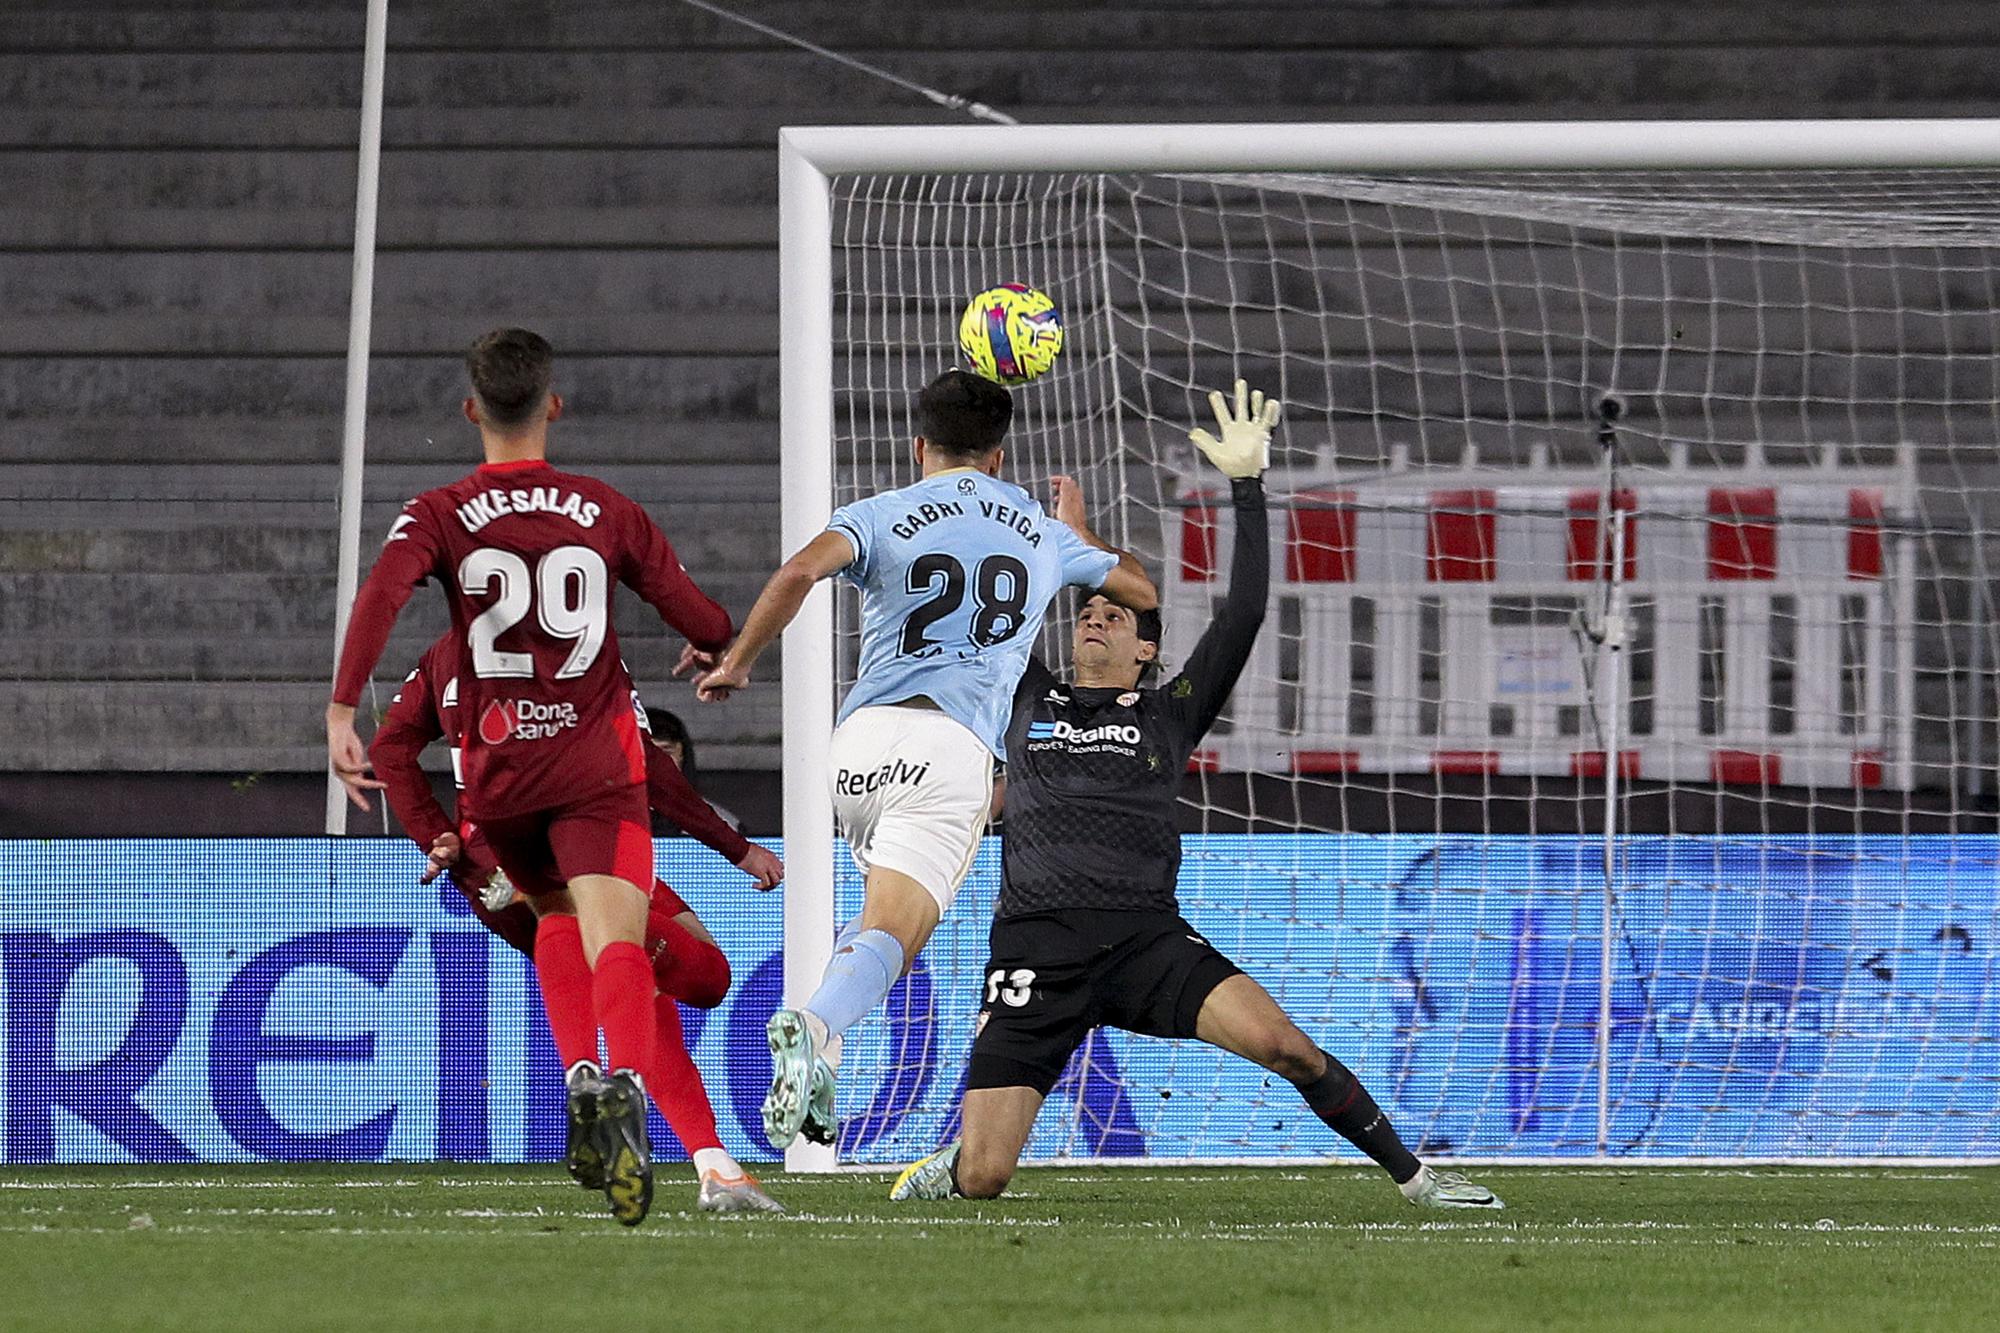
point(687, 962)
point(911, 788)
point(898, 915)
point(981, 1160)
point(1240, 1016)
point(676, 1086)
point(725, 1187)
point(689, 968)
point(997, 1124)
point(611, 919)
point(563, 973)
point(605, 855)
point(604, 852)
point(870, 954)
point(1038, 1007)
point(522, 849)
point(611, 916)
point(821, 1125)
point(563, 976)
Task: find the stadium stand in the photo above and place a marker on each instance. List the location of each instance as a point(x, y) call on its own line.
point(173, 296)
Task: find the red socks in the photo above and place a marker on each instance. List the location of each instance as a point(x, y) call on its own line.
point(622, 988)
point(566, 989)
point(620, 997)
point(676, 1087)
point(686, 966)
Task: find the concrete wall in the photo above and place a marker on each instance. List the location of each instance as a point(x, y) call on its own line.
point(177, 211)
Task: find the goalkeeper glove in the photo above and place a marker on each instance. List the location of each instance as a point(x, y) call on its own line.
point(1245, 447)
point(498, 893)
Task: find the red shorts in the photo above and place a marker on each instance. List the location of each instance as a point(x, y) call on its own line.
point(608, 834)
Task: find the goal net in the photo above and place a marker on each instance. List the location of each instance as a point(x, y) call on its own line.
point(1779, 692)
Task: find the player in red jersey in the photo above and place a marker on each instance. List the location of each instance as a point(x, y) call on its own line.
point(553, 764)
point(688, 967)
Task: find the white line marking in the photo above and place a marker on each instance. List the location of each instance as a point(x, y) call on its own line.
point(708, 1228)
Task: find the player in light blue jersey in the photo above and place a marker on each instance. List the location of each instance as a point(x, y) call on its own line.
point(956, 573)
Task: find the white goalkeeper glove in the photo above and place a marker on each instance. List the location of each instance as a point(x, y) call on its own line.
point(498, 893)
point(1245, 447)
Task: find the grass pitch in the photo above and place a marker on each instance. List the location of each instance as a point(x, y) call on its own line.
point(1132, 1249)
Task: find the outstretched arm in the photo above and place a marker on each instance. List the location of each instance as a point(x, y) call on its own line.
point(1218, 659)
point(777, 606)
point(1242, 453)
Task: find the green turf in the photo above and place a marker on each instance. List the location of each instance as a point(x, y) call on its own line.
point(1137, 1249)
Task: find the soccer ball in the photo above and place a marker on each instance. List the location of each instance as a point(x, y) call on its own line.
point(1010, 333)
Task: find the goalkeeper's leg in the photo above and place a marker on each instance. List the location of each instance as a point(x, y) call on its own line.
point(997, 1124)
point(1037, 1011)
point(979, 1163)
point(1241, 1017)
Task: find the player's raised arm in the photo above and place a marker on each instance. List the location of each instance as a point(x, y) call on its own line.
point(1241, 452)
point(777, 606)
point(1127, 583)
point(407, 558)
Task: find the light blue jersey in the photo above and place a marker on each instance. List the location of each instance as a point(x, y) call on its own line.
point(956, 574)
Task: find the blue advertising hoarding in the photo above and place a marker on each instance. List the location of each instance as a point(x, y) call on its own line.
point(1770, 997)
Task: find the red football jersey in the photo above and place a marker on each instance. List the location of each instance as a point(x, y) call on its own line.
point(528, 556)
point(426, 708)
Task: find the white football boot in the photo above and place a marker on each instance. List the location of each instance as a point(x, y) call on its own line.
point(735, 1194)
point(820, 1124)
point(1447, 1189)
point(929, 1178)
point(792, 1060)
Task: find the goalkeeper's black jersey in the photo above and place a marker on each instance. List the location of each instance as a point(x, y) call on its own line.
point(1094, 775)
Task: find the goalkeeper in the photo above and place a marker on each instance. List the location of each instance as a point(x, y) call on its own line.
point(1088, 931)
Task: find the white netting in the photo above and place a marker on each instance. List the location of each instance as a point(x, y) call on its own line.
point(1398, 825)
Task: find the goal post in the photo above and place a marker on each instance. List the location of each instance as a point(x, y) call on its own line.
point(1627, 145)
point(805, 306)
point(1812, 565)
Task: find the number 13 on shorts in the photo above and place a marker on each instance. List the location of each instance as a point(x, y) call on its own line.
point(1012, 987)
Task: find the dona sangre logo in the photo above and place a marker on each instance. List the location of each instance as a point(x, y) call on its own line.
point(503, 720)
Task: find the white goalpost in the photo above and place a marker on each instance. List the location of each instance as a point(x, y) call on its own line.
point(1609, 783)
point(360, 329)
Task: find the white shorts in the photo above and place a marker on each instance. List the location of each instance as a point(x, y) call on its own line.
point(912, 790)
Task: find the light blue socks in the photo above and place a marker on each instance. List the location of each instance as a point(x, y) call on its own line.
point(866, 963)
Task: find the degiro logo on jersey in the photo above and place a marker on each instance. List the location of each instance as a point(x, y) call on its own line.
point(524, 720)
point(1069, 734)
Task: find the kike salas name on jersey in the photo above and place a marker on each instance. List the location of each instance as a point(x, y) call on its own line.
point(956, 573)
point(480, 509)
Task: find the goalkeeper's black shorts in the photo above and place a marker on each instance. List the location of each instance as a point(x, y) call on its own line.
point(1053, 976)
